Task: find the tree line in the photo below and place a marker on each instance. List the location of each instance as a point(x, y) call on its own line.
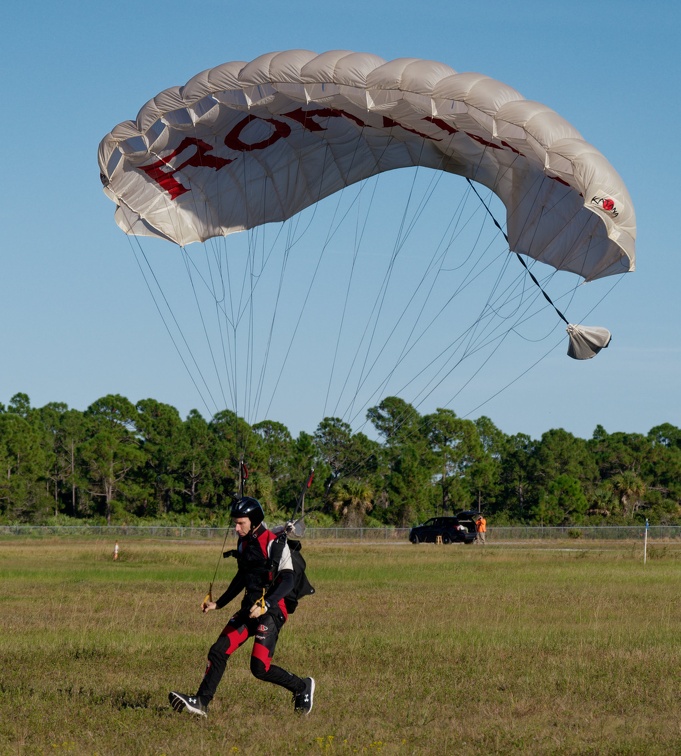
point(119, 462)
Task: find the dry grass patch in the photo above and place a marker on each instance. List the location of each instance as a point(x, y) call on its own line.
point(415, 649)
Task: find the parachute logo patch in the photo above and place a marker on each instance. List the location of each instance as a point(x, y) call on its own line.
point(605, 203)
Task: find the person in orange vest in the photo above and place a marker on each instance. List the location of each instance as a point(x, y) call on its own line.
point(481, 529)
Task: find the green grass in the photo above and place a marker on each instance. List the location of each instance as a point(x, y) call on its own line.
point(415, 649)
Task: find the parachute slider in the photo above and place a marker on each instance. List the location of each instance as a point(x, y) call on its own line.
point(587, 341)
point(291, 528)
point(296, 527)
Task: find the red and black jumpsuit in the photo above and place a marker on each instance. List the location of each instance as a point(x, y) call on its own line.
point(259, 555)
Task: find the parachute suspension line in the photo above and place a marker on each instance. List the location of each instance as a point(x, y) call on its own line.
point(499, 340)
point(239, 313)
point(250, 354)
point(503, 336)
point(221, 318)
point(357, 246)
point(260, 251)
point(359, 236)
point(472, 349)
point(437, 254)
point(167, 327)
point(402, 419)
point(469, 350)
point(330, 235)
point(375, 315)
point(214, 283)
point(544, 209)
point(209, 344)
point(242, 305)
point(407, 347)
point(293, 237)
point(225, 323)
point(242, 308)
point(434, 383)
point(514, 380)
point(257, 262)
point(493, 309)
point(532, 276)
point(261, 380)
point(129, 232)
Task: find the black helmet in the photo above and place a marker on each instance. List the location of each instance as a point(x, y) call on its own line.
point(248, 507)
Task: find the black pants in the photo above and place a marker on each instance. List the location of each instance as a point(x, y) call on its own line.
point(237, 631)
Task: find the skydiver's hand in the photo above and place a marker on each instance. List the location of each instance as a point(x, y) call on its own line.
point(208, 606)
point(257, 610)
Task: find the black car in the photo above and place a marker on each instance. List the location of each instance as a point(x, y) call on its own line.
point(457, 529)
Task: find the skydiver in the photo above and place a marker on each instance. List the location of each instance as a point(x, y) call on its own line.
point(262, 614)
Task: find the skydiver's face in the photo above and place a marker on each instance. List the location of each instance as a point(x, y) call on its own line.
point(242, 525)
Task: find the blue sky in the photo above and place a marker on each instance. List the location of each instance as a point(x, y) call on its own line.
point(77, 320)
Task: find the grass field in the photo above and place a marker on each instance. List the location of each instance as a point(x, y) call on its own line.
point(415, 649)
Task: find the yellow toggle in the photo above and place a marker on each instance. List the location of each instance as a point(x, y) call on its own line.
point(261, 602)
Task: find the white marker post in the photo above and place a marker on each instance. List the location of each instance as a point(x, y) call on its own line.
point(645, 544)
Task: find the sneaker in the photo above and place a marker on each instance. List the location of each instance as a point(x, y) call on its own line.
point(180, 702)
point(303, 701)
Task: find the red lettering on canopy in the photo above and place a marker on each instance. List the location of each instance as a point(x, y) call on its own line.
point(451, 130)
point(165, 178)
point(561, 181)
point(303, 117)
point(163, 173)
point(234, 142)
point(484, 142)
point(441, 124)
point(388, 123)
point(513, 149)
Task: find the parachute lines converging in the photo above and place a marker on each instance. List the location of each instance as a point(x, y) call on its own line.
point(260, 145)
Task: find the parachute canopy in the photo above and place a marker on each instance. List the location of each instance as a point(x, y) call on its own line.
point(244, 144)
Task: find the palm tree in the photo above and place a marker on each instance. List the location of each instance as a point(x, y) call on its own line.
point(630, 491)
point(352, 499)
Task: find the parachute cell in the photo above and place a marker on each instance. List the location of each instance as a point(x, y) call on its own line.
point(249, 143)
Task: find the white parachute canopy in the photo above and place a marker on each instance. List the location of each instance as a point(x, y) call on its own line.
point(245, 144)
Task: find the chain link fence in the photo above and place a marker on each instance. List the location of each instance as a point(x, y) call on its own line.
point(394, 535)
